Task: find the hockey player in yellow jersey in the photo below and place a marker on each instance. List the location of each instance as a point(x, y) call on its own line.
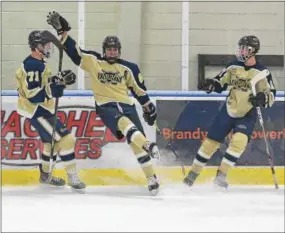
point(238, 114)
point(36, 90)
point(112, 78)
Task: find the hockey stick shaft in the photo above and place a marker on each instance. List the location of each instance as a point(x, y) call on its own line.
point(168, 143)
point(53, 136)
point(270, 158)
point(60, 47)
point(254, 81)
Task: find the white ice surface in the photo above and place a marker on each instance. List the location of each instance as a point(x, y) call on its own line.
point(132, 209)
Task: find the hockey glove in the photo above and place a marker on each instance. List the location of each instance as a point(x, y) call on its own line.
point(57, 90)
point(58, 22)
point(66, 77)
point(260, 100)
point(207, 85)
point(149, 114)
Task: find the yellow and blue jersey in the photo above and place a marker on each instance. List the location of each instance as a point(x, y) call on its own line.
point(34, 95)
point(237, 76)
point(110, 82)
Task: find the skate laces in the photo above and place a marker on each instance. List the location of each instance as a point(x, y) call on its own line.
point(56, 179)
point(221, 176)
point(74, 178)
point(192, 175)
point(152, 180)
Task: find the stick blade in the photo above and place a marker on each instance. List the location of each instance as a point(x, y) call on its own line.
point(52, 38)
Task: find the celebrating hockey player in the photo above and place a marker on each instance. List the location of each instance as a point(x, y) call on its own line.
point(36, 89)
point(238, 114)
point(112, 77)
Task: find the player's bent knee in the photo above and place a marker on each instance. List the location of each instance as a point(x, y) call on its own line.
point(238, 143)
point(127, 128)
point(208, 148)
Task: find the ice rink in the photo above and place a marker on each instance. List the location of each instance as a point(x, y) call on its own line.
point(130, 209)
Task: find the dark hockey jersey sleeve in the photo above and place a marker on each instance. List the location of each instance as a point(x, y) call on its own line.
point(87, 60)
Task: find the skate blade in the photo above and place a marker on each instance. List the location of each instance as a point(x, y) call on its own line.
point(187, 185)
point(81, 191)
point(220, 188)
point(51, 187)
point(154, 192)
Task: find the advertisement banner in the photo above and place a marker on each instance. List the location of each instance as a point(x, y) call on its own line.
point(185, 125)
point(95, 146)
point(103, 160)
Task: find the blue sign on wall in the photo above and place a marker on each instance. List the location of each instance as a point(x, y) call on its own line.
point(185, 124)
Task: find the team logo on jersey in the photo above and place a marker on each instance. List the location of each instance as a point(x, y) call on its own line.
point(112, 77)
point(240, 83)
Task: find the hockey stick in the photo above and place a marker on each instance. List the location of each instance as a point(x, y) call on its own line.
point(60, 47)
point(168, 143)
point(253, 82)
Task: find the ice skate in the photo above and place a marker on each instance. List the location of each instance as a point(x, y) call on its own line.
point(220, 180)
point(75, 183)
point(53, 181)
point(153, 185)
point(190, 178)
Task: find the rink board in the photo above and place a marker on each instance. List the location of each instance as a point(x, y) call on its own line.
point(103, 160)
point(170, 175)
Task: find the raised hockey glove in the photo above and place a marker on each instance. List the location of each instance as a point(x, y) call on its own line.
point(149, 114)
point(57, 90)
point(207, 85)
point(66, 77)
point(260, 100)
point(58, 22)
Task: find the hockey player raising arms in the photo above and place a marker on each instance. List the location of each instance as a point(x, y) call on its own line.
point(238, 114)
point(112, 77)
point(36, 102)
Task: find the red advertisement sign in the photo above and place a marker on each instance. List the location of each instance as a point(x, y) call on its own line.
point(20, 141)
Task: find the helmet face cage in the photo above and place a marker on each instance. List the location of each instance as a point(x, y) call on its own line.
point(244, 52)
point(248, 46)
point(112, 42)
point(45, 50)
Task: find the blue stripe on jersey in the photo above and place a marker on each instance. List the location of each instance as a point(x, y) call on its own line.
point(136, 71)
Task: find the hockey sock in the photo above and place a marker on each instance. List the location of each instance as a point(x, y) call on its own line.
point(207, 149)
point(143, 159)
point(234, 151)
point(46, 156)
point(66, 153)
